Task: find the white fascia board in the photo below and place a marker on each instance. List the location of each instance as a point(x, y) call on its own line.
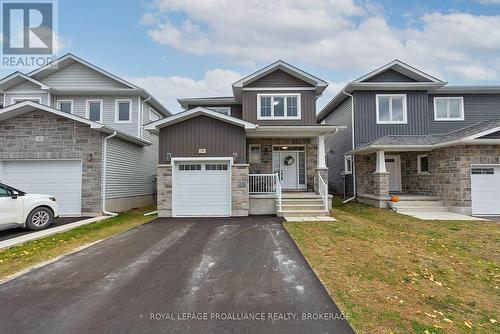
point(154, 126)
point(483, 133)
point(293, 131)
point(15, 75)
point(396, 63)
point(396, 148)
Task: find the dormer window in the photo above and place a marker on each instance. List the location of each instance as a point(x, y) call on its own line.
point(278, 106)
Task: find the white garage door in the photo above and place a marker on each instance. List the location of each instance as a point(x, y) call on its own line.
point(485, 190)
point(59, 178)
point(201, 189)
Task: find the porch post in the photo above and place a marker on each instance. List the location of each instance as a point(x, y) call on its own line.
point(380, 162)
point(321, 152)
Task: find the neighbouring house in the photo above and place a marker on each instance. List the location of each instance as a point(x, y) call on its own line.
point(410, 133)
point(259, 151)
point(75, 131)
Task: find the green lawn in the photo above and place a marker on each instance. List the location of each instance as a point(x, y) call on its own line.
point(396, 274)
point(18, 258)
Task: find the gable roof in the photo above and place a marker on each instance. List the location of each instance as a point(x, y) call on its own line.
point(16, 78)
point(198, 111)
point(318, 83)
point(469, 135)
point(402, 68)
point(29, 106)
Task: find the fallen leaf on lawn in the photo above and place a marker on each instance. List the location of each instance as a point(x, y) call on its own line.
point(493, 321)
point(429, 315)
point(427, 332)
point(447, 320)
point(438, 283)
point(468, 324)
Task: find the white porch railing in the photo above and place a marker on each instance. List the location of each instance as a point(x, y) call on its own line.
point(265, 184)
point(323, 190)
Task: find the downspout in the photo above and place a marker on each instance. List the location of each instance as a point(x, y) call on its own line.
point(141, 108)
point(104, 161)
point(353, 146)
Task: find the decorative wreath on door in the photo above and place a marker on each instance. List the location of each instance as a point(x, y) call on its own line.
point(289, 160)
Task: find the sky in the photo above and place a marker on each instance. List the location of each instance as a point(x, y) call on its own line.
point(188, 48)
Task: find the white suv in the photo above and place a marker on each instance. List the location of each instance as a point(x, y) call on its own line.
point(19, 209)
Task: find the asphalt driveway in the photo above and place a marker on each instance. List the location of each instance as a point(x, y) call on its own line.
point(176, 276)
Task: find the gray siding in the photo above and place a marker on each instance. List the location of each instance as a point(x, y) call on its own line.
point(367, 129)
point(79, 75)
point(477, 108)
point(495, 135)
point(130, 169)
point(390, 76)
point(25, 86)
point(108, 110)
point(338, 145)
point(10, 97)
point(219, 138)
point(308, 108)
point(279, 78)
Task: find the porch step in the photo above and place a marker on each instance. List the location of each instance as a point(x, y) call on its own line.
point(411, 198)
point(302, 213)
point(301, 200)
point(412, 204)
point(299, 195)
point(303, 207)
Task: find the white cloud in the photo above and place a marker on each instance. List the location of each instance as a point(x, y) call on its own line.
point(168, 89)
point(489, 2)
point(348, 35)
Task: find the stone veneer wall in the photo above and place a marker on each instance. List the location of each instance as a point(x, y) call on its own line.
point(449, 175)
point(239, 190)
point(266, 165)
point(62, 139)
point(164, 191)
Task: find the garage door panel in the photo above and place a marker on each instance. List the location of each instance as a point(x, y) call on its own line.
point(201, 191)
point(59, 178)
point(485, 185)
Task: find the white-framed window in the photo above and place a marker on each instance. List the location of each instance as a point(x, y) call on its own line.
point(347, 164)
point(123, 112)
point(153, 115)
point(423, 164)
point(254, 153)
point(65, 105)
point(278, 106)
point(449, 108)
point(22, 99)
point(94, 110)
point(391, 109)
point(222, 110)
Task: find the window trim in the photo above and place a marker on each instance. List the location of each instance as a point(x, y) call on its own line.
point(347, 163)
point(250, 153)
point(405, 114)
point(449, 119)
point(87, 109)
point(58, 104)
point(284, 96)
point(117, 102)
point(419, 164)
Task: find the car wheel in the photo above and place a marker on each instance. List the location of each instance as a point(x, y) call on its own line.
point(39, 218)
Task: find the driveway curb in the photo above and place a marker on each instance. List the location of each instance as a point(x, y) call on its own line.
point(44, 233)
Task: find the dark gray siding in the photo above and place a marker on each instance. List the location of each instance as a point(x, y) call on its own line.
point(235, 109)
point(390, 76)
point(219, 138)
point(308, 108)
point(477, 108)
point(495, 135)
point(279, 78)
point(337, 146)
point(365, 116)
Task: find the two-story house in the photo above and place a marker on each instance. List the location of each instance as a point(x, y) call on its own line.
point(259, 151)
point(411, 133)
point(75, 131)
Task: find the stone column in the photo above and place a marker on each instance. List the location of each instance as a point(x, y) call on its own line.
point(239, 190)
point(381, 185)
point(164, 191)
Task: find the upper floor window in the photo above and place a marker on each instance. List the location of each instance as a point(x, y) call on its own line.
point(94, 110)
point(391, 109)
point(222, 110)
point(449, 108)
point(122, 111)
point(282, 106)
point(65, 105)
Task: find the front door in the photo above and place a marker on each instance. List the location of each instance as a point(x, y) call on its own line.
point(289, 168)
point(393, 166)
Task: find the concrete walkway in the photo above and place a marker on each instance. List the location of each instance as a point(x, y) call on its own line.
point(428, 215)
